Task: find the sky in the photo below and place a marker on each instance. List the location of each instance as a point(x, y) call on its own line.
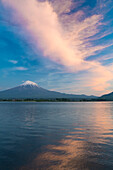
point(62, 45)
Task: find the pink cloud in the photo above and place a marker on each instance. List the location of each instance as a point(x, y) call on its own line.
point(20, 68)
point(63, 38)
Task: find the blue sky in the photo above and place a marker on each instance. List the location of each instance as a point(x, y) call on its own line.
point(62, 45)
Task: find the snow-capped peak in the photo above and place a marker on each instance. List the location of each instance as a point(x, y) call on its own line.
point(30, 83)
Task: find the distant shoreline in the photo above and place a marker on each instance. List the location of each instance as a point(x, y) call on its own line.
point(54, 100)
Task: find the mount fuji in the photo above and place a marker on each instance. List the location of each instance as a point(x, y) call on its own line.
point(30, 90)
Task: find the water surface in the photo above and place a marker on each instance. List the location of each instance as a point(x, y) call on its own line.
point(56, 136)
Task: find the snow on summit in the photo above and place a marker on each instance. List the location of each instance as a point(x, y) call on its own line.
point(30, 83)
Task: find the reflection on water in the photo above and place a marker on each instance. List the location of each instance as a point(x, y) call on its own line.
point(56, 136)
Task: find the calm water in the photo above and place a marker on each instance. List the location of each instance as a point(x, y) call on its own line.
point(56, 136)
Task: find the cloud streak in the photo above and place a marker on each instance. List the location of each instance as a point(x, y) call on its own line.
point(13, 61)
point(62, 37)
point(20, 68)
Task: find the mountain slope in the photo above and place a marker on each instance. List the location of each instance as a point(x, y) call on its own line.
point(108, 96)
point(30, 90)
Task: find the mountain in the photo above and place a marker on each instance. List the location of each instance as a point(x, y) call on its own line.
point(30, 90)
point(108, 96)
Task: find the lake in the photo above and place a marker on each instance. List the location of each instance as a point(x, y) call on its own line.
point(56, 136)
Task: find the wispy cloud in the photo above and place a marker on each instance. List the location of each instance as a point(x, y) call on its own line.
point(20, 68)
point(13, 61)
point(64, 37)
